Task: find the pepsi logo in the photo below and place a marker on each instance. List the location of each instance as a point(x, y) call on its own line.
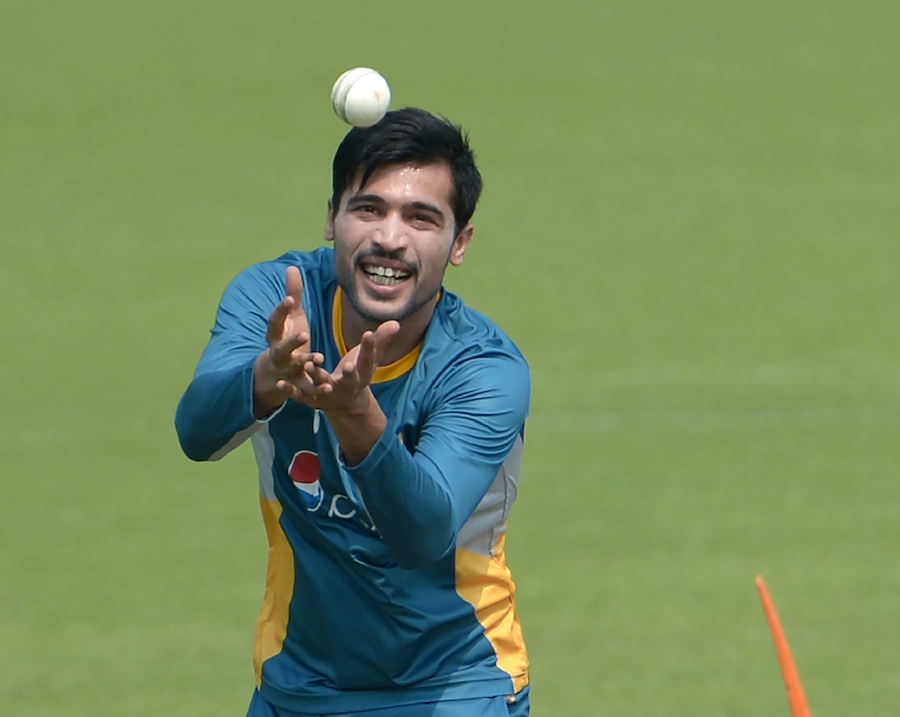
point(304, 472)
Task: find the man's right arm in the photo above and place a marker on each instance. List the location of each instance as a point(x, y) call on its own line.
point(218, 404)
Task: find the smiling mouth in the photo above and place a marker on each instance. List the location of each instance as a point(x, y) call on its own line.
point(385, 275)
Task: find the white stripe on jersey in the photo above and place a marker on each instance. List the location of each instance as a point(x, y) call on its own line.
point(479, 534)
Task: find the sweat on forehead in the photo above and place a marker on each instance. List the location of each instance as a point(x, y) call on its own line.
point(403, 173)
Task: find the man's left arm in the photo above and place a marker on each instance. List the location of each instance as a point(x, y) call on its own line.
point(420, 496)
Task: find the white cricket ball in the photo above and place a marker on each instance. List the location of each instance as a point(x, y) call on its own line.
point(360, 96)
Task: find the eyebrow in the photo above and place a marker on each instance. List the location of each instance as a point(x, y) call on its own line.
point(376, 199)
point(425, 206)
point(363, 198)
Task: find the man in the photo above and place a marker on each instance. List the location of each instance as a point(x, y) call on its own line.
point(387, 420)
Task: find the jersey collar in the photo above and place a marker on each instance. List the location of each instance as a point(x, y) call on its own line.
point(382, 373)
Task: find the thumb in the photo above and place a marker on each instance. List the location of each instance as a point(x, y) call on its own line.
point(384, 334)
point(294, 285)
point(371, 348)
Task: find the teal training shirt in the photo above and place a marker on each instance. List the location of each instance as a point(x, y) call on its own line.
point(387, 581)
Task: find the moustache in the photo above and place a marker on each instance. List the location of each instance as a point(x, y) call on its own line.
point(392, 256)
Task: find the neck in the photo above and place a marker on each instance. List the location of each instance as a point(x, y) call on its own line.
point(412, 329)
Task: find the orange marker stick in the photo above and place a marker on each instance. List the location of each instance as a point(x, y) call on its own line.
point(795, 696)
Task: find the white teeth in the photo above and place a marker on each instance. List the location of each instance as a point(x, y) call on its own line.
point(385, 274)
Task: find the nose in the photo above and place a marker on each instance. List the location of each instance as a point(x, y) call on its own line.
point(391, 233)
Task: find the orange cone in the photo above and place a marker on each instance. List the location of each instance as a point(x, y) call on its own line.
point(795, 696)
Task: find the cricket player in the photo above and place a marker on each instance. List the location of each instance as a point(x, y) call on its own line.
point(387, 420)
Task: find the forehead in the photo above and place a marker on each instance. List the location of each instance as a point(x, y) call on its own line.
point(399, 182)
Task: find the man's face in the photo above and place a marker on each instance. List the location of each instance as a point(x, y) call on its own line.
point(393, 240)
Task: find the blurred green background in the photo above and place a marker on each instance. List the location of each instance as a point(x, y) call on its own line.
point(690, 226)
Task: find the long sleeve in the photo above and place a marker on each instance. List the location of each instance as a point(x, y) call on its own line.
point(420, 501)
point(216, 411)
point(216, 407)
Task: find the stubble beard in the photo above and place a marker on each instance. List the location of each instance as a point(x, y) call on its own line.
point(347, 280)
point(374, 317)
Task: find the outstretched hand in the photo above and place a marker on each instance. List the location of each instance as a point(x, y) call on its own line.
point(345, 397)
point(280, 371)
point(342, 389)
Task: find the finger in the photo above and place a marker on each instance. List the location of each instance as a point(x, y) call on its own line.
point(366, 360)
point(281, 353)
point(300, 355)
point(384, 334)
point(293, 372)
point(318, 375)
point(294, 290)
point(316, 358)
point(322, 383)
point(372, 347)
point(290, 391)
point(294, 284)
point(275, 325)
point(301, 392)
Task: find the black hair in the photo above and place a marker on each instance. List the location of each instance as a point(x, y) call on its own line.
point(409, 136)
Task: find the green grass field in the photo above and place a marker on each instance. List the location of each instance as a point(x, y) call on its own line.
point(690, 226)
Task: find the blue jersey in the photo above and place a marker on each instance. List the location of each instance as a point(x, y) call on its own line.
point(387, 582)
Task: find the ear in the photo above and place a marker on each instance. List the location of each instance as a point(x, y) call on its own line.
point(329, 222)
point(460, 244)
